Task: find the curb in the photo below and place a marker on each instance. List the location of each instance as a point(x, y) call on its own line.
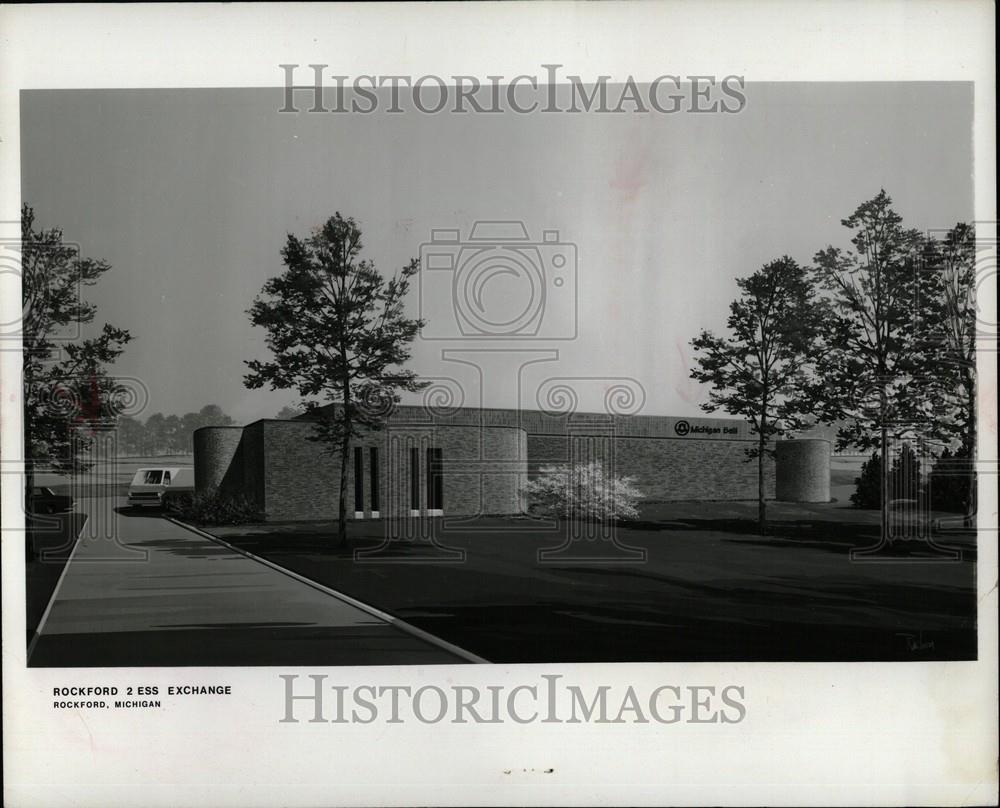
point(55, 592)
point(402, 625)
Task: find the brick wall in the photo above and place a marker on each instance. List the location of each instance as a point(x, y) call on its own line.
point(218, 458)
point(486, 459)
point(483, 470)
point(668, 469)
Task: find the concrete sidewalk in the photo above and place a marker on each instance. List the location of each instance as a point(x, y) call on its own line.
point(140, 590)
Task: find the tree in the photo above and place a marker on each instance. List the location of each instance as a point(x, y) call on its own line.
point(949, 482)
point(338, 331)
point(759, 370)
point(156, 434)
point(905, 474)
point(172, 436)
point(212, 415)
point(951, 351)
point(904, 480)
point(868, 487)
point(131, 436)
point(583, 491)
point(190, 421)
point(65, 377)
point(287, 413)
point(870, 358)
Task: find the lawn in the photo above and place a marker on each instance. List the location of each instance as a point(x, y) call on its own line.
point(709, 588)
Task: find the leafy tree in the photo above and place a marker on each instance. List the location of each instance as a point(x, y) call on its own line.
point(172, 433)
point(584, 492)
point(759, 369)
point(190, 421)
point(287, 413)
point(951, 351)
point(868, 487)
point(181, 430)
point(131, 436)
point(904, 475)
point(870, 360)
point(338, 331)
point(66, 382)
point(949, 482)
point(156, 434)
point(902, 482)
point(212, 415)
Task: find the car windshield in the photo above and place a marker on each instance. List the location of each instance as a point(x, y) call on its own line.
point(152, 477)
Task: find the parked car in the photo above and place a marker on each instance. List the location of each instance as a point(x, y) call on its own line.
point(44, 500)
point(155, 487)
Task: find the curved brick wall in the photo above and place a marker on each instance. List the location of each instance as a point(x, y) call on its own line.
point(484, 469)
point(215, 448)
point(802, 470)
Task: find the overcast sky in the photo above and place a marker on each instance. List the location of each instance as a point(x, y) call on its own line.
point(189, 195)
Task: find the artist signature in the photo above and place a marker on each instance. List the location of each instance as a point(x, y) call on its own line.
point(916, 642)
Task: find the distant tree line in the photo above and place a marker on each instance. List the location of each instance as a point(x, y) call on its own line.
point(166, 434)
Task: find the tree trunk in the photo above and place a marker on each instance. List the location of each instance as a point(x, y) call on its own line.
point(761, 502)
point(971, 492)
point(345, 446)
point(29, 479)
point(884, 450)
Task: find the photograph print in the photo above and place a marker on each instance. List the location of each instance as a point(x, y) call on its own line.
point(347, 373)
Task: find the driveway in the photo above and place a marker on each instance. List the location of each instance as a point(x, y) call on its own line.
point(140, 590)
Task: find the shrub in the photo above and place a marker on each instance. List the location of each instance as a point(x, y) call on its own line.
point(868, 487)
point(951, 482)
point(904, 480)
point(215, 509)
point(582, 492)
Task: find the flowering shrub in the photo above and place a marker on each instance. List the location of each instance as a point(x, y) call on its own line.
point(582, 492)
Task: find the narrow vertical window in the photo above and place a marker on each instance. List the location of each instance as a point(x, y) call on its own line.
point(373, 471)
point(414, 479)
point(435, 481)
point(359, 480)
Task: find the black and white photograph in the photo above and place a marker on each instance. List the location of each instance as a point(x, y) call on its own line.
point(301, 421)
point(438, 373)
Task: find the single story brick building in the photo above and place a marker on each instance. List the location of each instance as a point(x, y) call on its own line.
point(471, 462)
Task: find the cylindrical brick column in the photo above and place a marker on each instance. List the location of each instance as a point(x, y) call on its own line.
point(802, 470)
point(215, 448)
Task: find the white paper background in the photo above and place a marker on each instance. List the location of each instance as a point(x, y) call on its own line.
point(902, 733)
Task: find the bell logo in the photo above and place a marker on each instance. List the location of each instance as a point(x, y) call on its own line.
point(682, 428)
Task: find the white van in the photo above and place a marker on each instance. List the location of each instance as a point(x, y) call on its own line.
point(151, 488)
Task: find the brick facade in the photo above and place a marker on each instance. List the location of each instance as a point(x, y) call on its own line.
point(486, 456)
